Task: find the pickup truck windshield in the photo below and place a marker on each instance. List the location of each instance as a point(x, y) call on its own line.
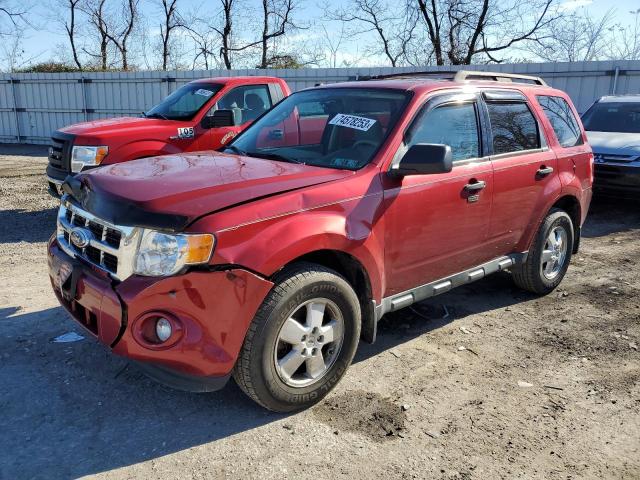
point(325, 127)
point(185, 102)
point(622, 117)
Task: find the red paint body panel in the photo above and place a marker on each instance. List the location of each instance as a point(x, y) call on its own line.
point(404, 232)
point(129, 138)
point(214, 310)
point(93, 298)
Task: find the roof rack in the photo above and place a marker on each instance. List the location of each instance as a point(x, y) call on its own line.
point(461, 76)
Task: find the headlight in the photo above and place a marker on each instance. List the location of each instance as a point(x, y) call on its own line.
point(162, 254)
point(87, 156)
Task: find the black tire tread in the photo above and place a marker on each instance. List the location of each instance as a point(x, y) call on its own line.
point(286, 280)
point(525, 276)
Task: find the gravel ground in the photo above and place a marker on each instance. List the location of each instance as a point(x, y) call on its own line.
point(544, 387)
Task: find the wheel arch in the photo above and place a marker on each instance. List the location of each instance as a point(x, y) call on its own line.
point(571, 205)
point(356, 274)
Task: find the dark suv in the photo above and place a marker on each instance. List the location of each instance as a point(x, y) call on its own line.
point(270, 260)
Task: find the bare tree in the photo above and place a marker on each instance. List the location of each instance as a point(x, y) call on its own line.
point(393, 27)
point(226, 31)
point(276, 21)
point(332, 42)
point(17, 16)
point(171, 21)
point(459, 30)
point(97, 12)
point(71, 29)
point(625, 39)
point(120, 38)
point(203, 42)
point(575, 37)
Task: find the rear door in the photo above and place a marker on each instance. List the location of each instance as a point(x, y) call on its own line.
point(436, 225)
point(574, 155)
point(525, 169)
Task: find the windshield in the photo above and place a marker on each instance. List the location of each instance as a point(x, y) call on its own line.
point(622, 117)
point(185, 102)
point(325, 127)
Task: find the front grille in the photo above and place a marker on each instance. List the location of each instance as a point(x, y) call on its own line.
point(614, 158)
point(60, 151)
point(110, 247)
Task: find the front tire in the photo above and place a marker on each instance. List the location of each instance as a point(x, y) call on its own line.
point(549, 257)
point(302, 339)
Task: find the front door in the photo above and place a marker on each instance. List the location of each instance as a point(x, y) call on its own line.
point(436, 225)
point(247, 102)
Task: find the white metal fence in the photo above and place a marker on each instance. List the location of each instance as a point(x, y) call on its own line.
point(32, 105)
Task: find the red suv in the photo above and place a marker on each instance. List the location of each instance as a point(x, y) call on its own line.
point(201, 115)
point(269, 260)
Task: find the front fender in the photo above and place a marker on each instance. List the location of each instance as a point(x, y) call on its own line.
point(267, 246)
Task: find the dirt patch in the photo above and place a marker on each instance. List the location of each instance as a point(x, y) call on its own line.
point(366, 413)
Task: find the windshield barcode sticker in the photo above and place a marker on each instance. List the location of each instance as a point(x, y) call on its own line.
point(352, 121)
point(203, 92)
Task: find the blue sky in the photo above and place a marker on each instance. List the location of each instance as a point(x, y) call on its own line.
point(45, 41)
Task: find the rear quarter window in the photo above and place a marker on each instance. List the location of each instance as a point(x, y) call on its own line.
point(562, 120)
point(513, 127)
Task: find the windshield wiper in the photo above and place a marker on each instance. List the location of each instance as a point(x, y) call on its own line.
point(156, 115)
point(274, 156)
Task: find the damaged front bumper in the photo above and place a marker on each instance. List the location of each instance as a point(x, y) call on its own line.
point(211, 311)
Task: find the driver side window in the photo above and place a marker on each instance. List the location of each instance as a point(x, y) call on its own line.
point(455, 125)
point(248, 102)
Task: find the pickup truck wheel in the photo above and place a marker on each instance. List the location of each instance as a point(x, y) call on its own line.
point(302, 339)
point(548, 259)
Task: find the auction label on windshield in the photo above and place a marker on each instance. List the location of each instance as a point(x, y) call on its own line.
point(352, 121)
point(203, 92)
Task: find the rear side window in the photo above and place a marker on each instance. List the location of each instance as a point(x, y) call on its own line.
point(513, 126)
point(562, 120)
point(454, 125)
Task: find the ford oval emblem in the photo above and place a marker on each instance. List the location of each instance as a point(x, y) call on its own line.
point(80, 237)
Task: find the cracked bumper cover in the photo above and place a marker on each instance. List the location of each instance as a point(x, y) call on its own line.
point(213, 308)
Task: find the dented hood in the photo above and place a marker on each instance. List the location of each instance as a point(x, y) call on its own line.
point(173, 190)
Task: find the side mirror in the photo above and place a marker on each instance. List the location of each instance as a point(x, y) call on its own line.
point(220, 118)
point(424, 159)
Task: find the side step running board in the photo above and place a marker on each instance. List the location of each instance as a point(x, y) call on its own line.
point(404, 299)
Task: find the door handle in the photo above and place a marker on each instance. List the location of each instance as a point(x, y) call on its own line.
point(544, 171)
point(475, 186)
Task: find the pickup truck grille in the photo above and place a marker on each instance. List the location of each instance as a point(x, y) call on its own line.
point(108, 247)
point(60, 151)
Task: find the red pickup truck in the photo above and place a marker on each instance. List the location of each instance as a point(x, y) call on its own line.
point(269, 260)
point(201, 115)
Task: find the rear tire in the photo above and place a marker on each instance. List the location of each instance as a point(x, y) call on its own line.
point(302, 339)
point(549, 257)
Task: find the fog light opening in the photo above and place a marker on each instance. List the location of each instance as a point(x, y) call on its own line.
point(163, 329)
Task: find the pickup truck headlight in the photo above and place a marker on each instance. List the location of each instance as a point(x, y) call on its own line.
point(162, 254)
point(87, 157)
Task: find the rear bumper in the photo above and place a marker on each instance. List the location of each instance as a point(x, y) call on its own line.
point(213, 311)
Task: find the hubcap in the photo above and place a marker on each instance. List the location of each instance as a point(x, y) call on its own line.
point(309, 342)
point(554, 253)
